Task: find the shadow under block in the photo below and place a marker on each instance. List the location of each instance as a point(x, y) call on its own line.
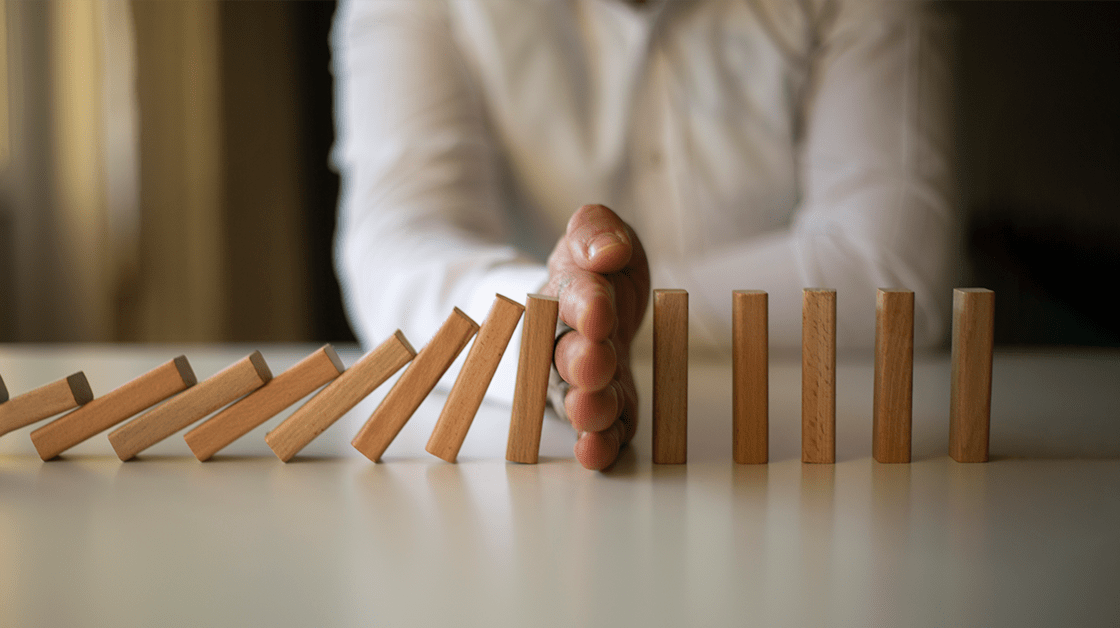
point(44, 402)
point(415, 384)
point(750, 364)
point(970, 402)
point(104, 412)
point(229, 384)
point(3, 391)
point(530, 393)
point(670, 376)
point(894, 375)
point(340, 396)
point(215, 433)
point(466, 395)
point(818, 376)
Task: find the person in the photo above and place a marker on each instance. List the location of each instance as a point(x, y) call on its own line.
point(762, 144)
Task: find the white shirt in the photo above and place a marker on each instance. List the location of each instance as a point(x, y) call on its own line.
point(769, 145)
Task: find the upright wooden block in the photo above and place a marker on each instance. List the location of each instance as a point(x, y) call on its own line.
point(530, 393)
point(750, 371)
point(340, 396)
point(894, 375)
point(213, 434)
point(415, 384)
point(44, 402)
point(970, 403)
point(104, 412)
point(670, 376)
point(226, 386)
point(818, 376)
point(470, 387)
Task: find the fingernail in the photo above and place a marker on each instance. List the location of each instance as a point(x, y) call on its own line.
point(602, 242)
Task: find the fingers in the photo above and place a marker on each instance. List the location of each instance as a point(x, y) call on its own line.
point(599, 450)
point(585, 364)
point(594, 410)
point(598, 240)
point(587, 303)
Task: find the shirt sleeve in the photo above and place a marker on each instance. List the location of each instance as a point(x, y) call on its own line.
point(420, 229)
point(876, 180)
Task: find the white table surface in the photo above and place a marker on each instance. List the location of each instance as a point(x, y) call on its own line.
point(1030, 538)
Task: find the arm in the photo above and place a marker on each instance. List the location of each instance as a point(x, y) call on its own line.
point(420, 228)
point(876, 181)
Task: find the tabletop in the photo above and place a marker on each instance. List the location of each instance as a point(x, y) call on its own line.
point(1029, 538)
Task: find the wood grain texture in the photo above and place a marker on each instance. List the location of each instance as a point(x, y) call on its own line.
point(224, 387)
point(415, 384)
point(670, 376)
point(818, 376)
point(466, 395)
point(340, 396)
point(45, 402)
point(103, 413)
point(970, 403)
point(310, 373)
point(530, 393)
point(894, 375)
point(750, 374)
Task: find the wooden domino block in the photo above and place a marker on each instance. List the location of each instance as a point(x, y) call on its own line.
point(530, 393)
point(104, 412)
point(894, 375)
point(226, 386)
point(213, 434)
point(340, 396)
point(750, 365)
point(415, 384)
point(970, 403)
point(470, 387)
point(670, 376)
point(44, 402)
point(818, 376)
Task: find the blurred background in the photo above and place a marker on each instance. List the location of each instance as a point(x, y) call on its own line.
point(164, 170)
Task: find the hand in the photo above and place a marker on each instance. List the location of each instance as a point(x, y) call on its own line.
point(600, 273)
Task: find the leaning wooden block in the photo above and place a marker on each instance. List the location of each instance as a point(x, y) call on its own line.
point(328, 406)
point(44, 402)
point(239, 419)
point(470, 387)
point(670, 376)
point(750, 365)
point(970, 404)
point(104, 412)
point(229, 384)
point(415, 384)
point(530, 393)
point(818, 376)
point(894, 375)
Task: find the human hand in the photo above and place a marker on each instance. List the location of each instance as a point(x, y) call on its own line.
point(600, 274)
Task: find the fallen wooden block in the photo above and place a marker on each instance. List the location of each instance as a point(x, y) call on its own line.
point(470, 387)
point(970, 403)
point(215, 433)
point(104, 412)
point(530, 393)
point(415, 384)
point(226, 386)
point(750, 366)
point(670, 376)
point(328, 406)
point(818, 376)
point(894, 375)
point(43, 402)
